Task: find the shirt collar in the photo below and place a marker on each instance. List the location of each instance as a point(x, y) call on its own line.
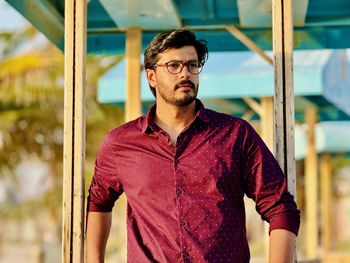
point(148, 124)
point(202, 113)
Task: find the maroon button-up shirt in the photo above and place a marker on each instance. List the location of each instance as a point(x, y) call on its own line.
point(185, 202)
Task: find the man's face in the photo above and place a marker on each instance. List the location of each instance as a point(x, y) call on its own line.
point(176, 89)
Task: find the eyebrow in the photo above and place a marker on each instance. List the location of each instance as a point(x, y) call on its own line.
point(183, 61)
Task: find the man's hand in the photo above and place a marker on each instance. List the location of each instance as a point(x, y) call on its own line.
point(281, 248)
point(97, 232)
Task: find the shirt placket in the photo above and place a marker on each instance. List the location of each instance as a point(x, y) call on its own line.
point(179, 192)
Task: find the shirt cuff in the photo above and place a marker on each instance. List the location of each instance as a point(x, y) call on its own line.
point(287, 222)
point(93, 207)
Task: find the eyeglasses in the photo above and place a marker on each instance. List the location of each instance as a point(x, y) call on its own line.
point(175, 66)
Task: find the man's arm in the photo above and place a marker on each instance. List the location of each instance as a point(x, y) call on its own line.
point(97, 232)
point(281, 248)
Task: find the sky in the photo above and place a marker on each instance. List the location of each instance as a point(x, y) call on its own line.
point(10, 19)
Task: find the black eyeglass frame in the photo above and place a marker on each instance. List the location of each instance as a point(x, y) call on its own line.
point(183, 64)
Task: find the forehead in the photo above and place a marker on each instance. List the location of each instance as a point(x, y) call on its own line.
point(185, 53)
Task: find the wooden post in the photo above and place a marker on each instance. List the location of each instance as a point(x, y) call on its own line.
point(133, 71)
point(311, 200)
point(282, 21)
point(326, 200)
point(74, 131)
point(282, 32)
point(267, 122)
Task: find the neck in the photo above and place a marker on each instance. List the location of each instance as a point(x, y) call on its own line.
point(174, 119)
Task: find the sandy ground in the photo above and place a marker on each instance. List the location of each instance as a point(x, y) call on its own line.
point(11, 253)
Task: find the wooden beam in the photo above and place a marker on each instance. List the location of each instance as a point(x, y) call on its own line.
point(267, 124)
point(248, 42)
point(284, 91)
point(74, 131)
point(248, 115)
point(282, 41)
point(326, 200)
point(311, 199)
point(254, 105)
point(133, 71)
point(267, 121)
point(44, 16)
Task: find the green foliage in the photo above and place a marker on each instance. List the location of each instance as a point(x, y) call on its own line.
point(31, 118)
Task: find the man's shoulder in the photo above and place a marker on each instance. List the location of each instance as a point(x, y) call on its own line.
point(219, 118)
point(130, 127)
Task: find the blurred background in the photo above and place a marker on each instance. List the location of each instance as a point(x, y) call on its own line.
point(31, 138)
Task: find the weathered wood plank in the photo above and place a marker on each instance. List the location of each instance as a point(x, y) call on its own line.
point(267, 121)
point(282, 32)
point(68, 132)
point(326, 200)
point(267, 124)
point(79, 131)
point(311, 183)
point(133, 71)
point(284, 92)
point(74, 132)
point(248, 42)
point(253, 104)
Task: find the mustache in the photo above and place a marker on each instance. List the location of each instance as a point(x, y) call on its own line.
point(185, 82)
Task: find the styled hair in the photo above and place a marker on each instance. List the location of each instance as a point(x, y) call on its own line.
point(172, 40)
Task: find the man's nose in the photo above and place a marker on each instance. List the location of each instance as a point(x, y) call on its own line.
point(185, 73)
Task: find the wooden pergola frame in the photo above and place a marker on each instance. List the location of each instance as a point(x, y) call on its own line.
point(74, 131)
point(74, 109)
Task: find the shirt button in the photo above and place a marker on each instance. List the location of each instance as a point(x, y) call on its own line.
point(179, 191)
point(182, 223)
point(185, 254)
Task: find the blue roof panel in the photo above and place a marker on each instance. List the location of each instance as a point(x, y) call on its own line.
point(98, 16)
point(327, 23)
point(331, 136)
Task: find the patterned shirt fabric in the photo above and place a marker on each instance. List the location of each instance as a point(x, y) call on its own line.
point(185, 202)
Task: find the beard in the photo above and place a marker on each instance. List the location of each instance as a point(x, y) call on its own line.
point(185, 99)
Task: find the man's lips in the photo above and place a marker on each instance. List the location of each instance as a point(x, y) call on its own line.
point(186, 86)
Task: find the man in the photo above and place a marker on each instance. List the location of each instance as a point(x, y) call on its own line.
point(185, 170)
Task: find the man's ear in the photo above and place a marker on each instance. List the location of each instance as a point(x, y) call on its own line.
point(151, 77)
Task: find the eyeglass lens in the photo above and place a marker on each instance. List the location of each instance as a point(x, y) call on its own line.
point(176, 67)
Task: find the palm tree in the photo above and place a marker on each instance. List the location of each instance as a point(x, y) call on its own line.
point(31, 118)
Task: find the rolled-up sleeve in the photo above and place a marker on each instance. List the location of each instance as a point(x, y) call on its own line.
point(105, 187)
point(266, 184)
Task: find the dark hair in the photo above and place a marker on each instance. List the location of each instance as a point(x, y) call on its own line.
point(173, 39)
